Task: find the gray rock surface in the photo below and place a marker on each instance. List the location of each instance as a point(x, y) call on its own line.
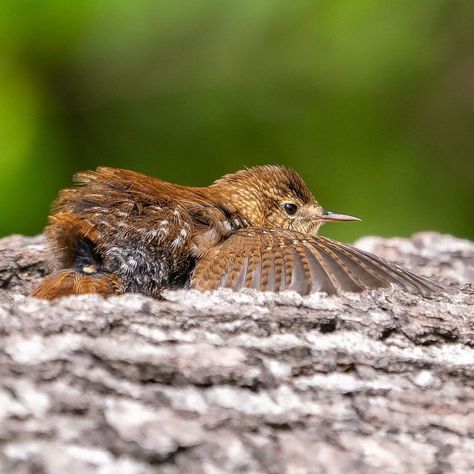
point(247, 382)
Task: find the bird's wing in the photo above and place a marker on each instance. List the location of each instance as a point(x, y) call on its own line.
point(277, 260)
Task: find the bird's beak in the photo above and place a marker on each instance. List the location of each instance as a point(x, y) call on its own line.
point(329, 216)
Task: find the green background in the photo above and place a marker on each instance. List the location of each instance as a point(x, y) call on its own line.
point(371, 101)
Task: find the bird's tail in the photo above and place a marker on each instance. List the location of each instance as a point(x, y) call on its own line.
point(79, 265)
point(73, 282)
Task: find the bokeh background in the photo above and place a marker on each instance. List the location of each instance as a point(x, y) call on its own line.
point(371, 101)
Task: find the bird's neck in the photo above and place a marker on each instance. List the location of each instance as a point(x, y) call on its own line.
point(232, 201)
point(242, 200)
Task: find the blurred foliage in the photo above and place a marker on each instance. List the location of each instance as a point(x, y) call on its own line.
point(371, 101)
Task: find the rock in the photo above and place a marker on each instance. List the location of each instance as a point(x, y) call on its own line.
point(240, 382)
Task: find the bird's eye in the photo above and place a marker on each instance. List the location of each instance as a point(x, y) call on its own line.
point(290, 208)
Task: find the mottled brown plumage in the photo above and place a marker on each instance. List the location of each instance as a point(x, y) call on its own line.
point(120, 231)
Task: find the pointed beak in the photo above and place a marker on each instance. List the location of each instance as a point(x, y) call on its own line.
point(329, 216)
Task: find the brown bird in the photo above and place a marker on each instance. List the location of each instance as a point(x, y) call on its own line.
point(120, 231)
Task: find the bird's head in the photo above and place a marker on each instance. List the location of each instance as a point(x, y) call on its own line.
point(276, 197)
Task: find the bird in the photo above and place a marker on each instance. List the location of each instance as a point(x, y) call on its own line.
point(119, 231)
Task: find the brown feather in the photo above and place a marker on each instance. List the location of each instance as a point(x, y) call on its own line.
point(312, 264)
point(68, 282)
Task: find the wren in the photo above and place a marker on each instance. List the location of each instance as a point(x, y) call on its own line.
point(120, 231)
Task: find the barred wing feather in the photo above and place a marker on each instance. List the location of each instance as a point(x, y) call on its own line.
point(277, 260)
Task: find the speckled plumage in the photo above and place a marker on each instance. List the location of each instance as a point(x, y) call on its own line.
point(120, 231)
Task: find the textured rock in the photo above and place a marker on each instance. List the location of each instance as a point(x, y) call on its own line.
point(247, 382)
